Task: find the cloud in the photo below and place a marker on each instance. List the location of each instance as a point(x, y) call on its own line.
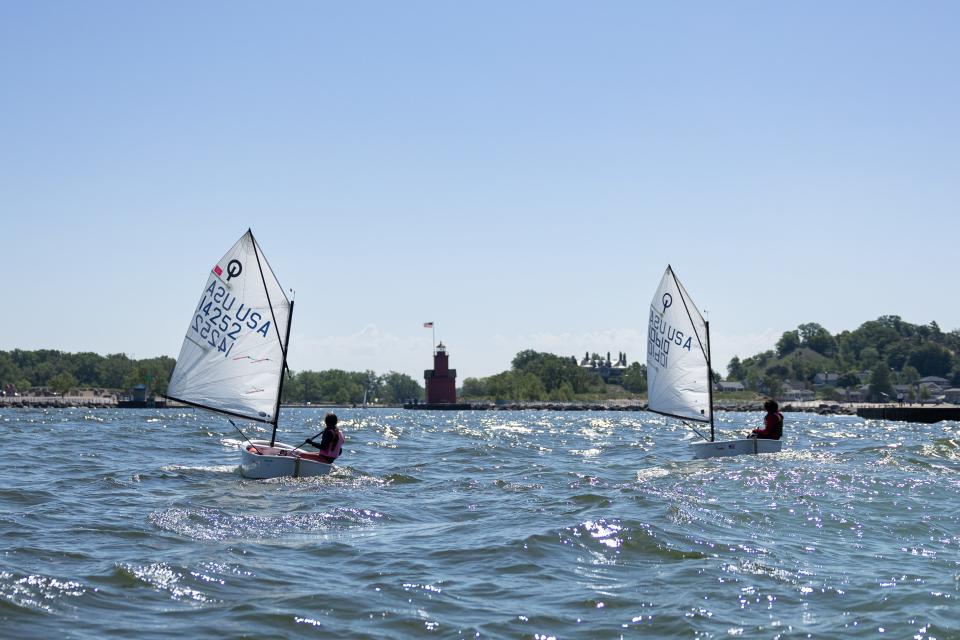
point(369, 348)
point(380, 351)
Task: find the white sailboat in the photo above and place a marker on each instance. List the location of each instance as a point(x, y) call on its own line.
point(234, 356)
point(679, 373)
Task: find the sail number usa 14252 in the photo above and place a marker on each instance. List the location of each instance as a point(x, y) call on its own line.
point(220, 320)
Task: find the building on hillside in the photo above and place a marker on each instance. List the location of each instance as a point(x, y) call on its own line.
point(610, 372)
point(441, 381)
point(942, 383)
point(822, 379)
point(855, 394)
point(729, 385)
point(952, 395)
point(796, 393)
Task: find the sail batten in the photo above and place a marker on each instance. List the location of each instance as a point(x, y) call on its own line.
point(234, 349)
point(678, 369)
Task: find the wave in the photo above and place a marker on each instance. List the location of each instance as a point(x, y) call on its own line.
point(36, 592)
point(217, 524)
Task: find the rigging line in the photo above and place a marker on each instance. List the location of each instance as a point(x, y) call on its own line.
point(276, 409)
point(244, 436)
point(695, 430)
point(280, 339)
point(687, 309)
point(266, 290)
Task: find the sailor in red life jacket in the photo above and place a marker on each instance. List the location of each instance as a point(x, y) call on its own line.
point(331, 440)
point(772, 423)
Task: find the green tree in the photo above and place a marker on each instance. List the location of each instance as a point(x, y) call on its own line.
point(9, 371)
point(552, 371)
point(815, 337)
point(399, 387)
point(563, 393)
point(292, 389)
point(909, 375)
point(735, 369)
point(880, 386)
point(869, 357)
point(86, 367)
point(63, 382)
point(788, 343)
point(848, 379)
point(930, 359)
point(773, 385)
point(113, 370)
point(779, 371)
point(473, 388)
point(635, 378)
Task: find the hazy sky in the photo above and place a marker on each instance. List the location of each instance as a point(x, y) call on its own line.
point(520, 173)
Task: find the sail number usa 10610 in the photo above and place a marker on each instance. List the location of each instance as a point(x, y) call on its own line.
point(220, 320)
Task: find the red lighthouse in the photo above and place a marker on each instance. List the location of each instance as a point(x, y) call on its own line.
point(441, 381)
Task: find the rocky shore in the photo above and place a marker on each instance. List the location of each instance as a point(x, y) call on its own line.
point(58, 402)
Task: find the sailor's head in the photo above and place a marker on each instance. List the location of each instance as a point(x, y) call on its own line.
point(330, 419)
point(771, 405)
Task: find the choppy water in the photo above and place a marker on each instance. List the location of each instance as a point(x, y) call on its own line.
point(120, 524)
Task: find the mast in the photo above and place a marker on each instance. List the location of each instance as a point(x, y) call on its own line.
point(709, 379)
point(283, 369)
point(286, 340)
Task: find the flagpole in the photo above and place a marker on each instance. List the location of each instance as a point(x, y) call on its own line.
point(433, 331)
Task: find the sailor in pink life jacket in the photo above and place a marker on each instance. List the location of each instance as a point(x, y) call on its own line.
point(331, 441)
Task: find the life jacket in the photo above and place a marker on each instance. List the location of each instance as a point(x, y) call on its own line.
point(335, 447)
point(772, 426)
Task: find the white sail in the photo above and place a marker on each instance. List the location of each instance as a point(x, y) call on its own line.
point(678, 377)
point(233, 354)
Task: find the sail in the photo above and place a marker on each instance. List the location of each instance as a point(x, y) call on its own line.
point(233, 355)
point(678, 371)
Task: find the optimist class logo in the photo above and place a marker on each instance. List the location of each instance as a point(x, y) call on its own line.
point(667, 302)
point(234, 268)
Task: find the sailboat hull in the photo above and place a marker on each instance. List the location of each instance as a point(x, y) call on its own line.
point(723, 448)
point(278, 461)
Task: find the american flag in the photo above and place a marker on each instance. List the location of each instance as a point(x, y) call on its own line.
point(428, 325)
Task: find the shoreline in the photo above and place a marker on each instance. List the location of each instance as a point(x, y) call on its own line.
point(814, 406)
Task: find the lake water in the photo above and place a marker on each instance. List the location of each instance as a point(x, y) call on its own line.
point(136, 523)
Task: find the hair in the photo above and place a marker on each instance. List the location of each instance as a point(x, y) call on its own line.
point(330, 419)
point(771, 405)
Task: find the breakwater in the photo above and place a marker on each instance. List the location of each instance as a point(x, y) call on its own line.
point(926, 415)
point(106, 402)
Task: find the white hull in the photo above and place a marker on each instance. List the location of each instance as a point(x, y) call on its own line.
point(276, 462)
point(722, 448)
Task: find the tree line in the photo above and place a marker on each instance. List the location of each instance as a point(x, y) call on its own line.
point(61, 372)
point(350, 387)
point(58, 371)
point(890, 351)
point(542, 376)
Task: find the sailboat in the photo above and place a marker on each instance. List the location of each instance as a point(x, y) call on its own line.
point(679, 372)
point(234, 356)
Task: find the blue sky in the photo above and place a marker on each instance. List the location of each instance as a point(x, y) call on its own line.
point(519, 173)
